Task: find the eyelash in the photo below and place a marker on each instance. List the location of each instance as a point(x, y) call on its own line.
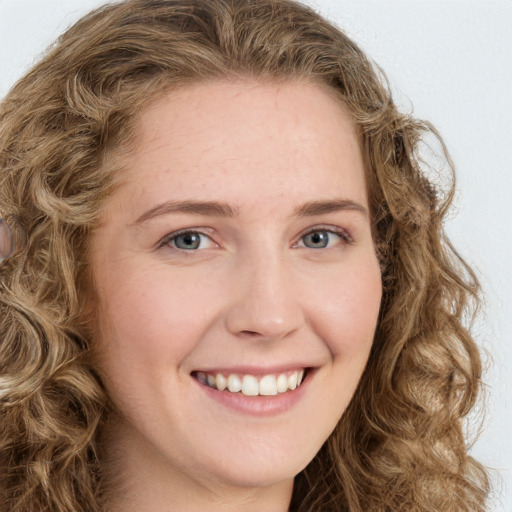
point(329, 229)
point(168, 239)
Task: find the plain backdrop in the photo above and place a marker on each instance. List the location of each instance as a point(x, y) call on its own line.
point(449, 62)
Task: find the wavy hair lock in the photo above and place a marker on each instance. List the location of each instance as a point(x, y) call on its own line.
point(400, 444)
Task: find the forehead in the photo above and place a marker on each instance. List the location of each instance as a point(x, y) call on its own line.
point(244, 138)
point(216, 111)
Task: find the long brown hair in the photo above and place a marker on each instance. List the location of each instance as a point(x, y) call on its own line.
point(400, 445)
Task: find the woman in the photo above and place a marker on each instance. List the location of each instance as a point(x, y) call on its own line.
point(236, 293)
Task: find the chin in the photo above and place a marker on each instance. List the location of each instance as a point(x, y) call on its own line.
point(260, 464)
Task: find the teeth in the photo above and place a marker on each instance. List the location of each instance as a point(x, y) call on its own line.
point(221, 382)
point(251, 385)
point(282, 383)
point(292, 380)
point(268, 385)
point(234, 383)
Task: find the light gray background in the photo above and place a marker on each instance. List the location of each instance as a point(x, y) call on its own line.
point(451, 62)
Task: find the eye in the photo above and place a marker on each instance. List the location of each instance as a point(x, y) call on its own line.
point(322, 239)
point(188, 241)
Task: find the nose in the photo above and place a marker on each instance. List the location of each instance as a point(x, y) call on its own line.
point(266, 305)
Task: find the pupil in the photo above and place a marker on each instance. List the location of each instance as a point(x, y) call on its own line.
point(319, 239)
point(188, 241)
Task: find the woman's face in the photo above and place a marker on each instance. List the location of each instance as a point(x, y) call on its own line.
point(237, 252)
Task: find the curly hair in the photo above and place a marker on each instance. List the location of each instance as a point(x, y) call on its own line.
point(400, 445)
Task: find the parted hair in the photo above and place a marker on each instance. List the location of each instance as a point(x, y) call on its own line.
point(400, 445)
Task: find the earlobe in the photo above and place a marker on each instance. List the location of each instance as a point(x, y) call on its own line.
point(12, 237)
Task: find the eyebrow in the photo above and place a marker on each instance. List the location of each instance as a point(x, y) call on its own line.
point(208, 208)
point(330, 206)
point(220, 209)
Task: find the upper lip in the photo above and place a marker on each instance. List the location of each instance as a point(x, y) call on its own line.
point(255, 370)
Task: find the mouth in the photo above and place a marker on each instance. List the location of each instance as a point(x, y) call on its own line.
point(253, 385)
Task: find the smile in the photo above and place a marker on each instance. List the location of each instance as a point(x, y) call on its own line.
point(252, 385)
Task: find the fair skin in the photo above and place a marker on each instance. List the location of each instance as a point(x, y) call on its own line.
point(274, 275)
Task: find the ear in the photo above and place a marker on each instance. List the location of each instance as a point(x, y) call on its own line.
point(10, 238)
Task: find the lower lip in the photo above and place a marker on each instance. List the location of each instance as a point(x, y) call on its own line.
point(258, 405)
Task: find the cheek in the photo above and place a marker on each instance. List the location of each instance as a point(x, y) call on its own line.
point(146, 322)
point(347, 314)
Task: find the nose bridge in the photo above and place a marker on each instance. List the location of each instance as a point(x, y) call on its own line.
point(265, 304)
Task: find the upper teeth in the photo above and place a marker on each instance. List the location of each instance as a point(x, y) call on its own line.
point(252, 385)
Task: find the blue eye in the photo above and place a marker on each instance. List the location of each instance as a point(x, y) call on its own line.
point(321, 239)
point(189, 241)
